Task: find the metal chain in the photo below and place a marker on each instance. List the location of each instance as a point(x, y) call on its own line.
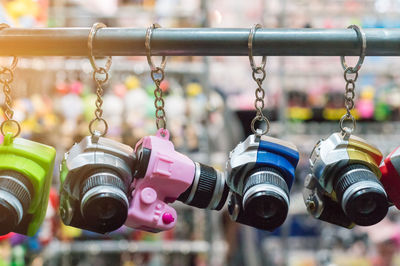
point(157, 75)
point(100, 77)
point(350, 76)
point(159, 100)
point(9, 113)
point(259, 92)
point(259, 75)
point(9, 125)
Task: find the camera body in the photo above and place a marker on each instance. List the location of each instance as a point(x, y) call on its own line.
point(164, 175)
point(260, 174)
point(390, 169)
point(26, 170)
point(344, 187)
point(95, 178)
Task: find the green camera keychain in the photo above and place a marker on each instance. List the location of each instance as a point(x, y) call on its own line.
point(26, 169)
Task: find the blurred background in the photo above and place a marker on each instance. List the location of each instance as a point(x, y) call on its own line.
point(209, 107)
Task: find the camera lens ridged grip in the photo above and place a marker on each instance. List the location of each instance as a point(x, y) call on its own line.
point(265, 175)
point(347, 177)
point(21, 192)
point(205, 187)
point(103, 177)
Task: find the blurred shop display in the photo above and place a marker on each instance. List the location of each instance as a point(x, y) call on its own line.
point(209, 105)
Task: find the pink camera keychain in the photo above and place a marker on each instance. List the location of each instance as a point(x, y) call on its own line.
point(163, 175)
point(167, 174)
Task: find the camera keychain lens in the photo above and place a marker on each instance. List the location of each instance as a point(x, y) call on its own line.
point(96, 173)
point(260, 170)
point(163, 175)
point(26, 169)
point(344, 187)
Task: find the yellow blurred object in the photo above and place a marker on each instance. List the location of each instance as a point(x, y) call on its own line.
point(300, 113)
point(21, 8)
point(193, 89)
point(29, 124)
point(337, 113)
point(368, 93)
point(132, 82)
point(69, 231)
point(41, 105)
point(347, 260)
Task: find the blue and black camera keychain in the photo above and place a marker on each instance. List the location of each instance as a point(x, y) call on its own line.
point(260, 170)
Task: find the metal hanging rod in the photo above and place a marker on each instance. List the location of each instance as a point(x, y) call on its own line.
point(197, 41)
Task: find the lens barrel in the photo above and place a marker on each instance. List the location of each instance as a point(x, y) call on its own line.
point(208, 189)
point(361, 195)
point(266, 197)
point(104, 203)
point(15, 195)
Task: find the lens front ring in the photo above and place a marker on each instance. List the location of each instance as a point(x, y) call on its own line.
point(264, 187)
point(102, 190)
point(13, 202)
point(357, 187)
point(218, 191)
point(195, 183)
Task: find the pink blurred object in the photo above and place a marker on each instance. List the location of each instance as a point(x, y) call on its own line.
point(384, 231)
point(168, 175)
point(120, 90)
point(365, 108)
point(76, 87)
point(164, 85)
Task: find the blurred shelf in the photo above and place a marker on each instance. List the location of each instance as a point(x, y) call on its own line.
point(93, 247)
point(120, 64)
point(123, 12)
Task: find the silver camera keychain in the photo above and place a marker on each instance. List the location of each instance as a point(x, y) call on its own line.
point(97, 172)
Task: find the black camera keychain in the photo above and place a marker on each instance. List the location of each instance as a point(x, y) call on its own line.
point(260, 170)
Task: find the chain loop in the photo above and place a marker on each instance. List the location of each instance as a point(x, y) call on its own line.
point(350, 75)
point(345, 118)
point(260, 119)
point(256, 71)
point(250, 46)
point(4, 72)
point(259, 76)
point(15, 59)
point(347, 72)
point(363, 39)
point(100, 77)
point(157, 75)
point(147, 43)
point(96, 26)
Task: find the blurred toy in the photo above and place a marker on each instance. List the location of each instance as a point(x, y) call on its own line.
point(365, 105)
